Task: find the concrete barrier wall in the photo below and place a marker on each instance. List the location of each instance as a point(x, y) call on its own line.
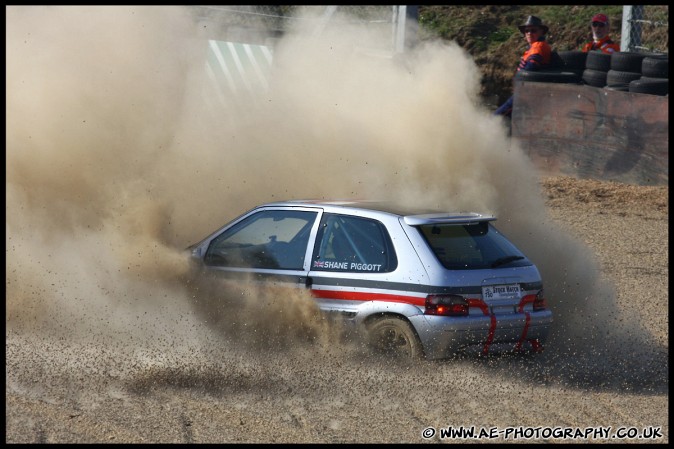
point(593, 133)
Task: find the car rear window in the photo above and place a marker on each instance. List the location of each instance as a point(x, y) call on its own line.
point(473, 246)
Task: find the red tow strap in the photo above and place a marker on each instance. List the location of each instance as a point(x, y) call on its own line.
point(479, 303)
point(535, 344)
point(474, 302)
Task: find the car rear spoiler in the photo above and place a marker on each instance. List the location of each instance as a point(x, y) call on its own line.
point(462, 218)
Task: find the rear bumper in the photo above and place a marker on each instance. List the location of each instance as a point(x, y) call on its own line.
point(442, 336)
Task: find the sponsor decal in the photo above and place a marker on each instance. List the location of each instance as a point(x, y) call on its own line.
point(352, 266)
point(365, 266)
point(494, 292)
point(328, 265)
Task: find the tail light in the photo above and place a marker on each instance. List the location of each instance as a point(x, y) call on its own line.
point(446, 305)
point(539, 303)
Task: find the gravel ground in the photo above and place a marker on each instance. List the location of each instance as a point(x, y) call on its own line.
point(115, 166)
point(66, 387)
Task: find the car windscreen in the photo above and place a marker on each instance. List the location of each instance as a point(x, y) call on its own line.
point(471, 246)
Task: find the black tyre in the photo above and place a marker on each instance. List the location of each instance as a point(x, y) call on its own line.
point(597, 60)
point(652, 86)
point(574, 60)
point(627, 61)
point(556, 62)
point(553, 76)
point(394, 337)
point(594, 78)
point(618, 77)
point(655, 67)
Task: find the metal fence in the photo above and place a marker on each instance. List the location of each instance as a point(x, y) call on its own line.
point(645, 28)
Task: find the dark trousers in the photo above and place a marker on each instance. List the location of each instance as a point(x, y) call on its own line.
point(506, 108)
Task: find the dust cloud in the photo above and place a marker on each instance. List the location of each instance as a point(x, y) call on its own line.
point(116, 161)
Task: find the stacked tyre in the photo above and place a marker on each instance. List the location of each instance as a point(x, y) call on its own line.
point(548, 76)
point(573, 61)
point(625, 68)
point(654, 78)
point(597, 65)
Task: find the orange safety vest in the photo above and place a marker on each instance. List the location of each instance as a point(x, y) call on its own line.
point(539, 55)
point(604, 45)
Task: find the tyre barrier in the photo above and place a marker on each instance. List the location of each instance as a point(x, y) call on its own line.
point(574, 61)
point(594, 78)
point(655, 66)
point(599, 61)
point(548, 76)
point(644, 73)
point(619, 77)
point(651, 86)
point(627, 61)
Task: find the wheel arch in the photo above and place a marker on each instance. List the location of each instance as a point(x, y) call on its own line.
point(373, 310)
point(371, 320)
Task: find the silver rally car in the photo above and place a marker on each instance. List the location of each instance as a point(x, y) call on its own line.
point(419, 284)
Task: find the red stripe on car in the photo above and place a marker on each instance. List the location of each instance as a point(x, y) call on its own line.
point(368, 296)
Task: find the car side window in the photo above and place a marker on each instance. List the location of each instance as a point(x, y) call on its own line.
point(353, 244)
point(274, 239)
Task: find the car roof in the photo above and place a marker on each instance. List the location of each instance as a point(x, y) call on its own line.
point(412, 216)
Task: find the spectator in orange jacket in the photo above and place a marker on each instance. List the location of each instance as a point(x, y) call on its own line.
point(600, 38)
point(537, 56)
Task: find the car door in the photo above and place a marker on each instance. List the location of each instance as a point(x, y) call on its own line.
point(351, 257)
point(267, 244)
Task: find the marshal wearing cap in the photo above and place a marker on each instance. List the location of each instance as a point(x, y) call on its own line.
point(601, 18)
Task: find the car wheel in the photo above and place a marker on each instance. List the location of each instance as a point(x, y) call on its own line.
point(394, 337)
